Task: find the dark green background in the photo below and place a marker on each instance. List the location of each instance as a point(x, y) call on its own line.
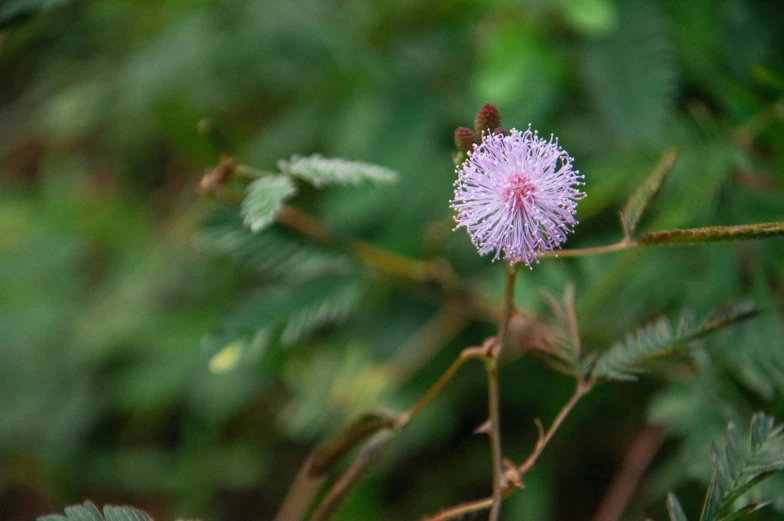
point(113, 283)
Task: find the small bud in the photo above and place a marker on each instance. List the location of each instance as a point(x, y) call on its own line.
point(215, 179)
point(487, 118)
point(464, 138)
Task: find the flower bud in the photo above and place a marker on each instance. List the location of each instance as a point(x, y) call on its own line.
point(487, 118)
point(464, 138)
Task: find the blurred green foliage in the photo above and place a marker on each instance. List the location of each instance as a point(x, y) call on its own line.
point(119, 283)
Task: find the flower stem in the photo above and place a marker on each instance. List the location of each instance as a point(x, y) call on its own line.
point(493, 399)
point(495, 437)
point(506, 313)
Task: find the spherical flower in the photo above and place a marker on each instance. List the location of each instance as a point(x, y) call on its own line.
point(517, 194)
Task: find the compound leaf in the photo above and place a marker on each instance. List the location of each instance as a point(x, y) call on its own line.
point(264, 201)
point(321, 171)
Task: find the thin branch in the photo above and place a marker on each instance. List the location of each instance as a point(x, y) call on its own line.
point(466, 354)
point(580, 390)
point(596, 250)
point(387, 262)
point(508, 306)
point(311, 475)
point(493, 399)
point(321, 459)
point(687, 237)
point(300, 494)
point(368, 456)
point(494, 434)
point(462, 509)
point(329, 452)
point(305, 224)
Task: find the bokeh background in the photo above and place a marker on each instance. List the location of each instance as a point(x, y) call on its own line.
point(119, 282)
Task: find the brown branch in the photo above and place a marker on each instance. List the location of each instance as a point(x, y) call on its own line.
point(494, 433)
point(313, 472)
point(305, 224)
point(367, 457)
point(387, 262)
point(311, 475)
point(581, 389)
point(332, 450)
point(596, 250)
point(493, 398)
point(466, 354)
point(462, 509)
point(625, 481)
point(300, 494)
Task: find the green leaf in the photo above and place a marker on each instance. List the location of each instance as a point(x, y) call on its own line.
point(713, 234)
point(265, 201)
point(657, 339)
point(124, 514)
point(321, 171)
point(285, 313)
point(89, 512)
point(742, 466)
point(273, 255)
point(648, 190)
point(85, 512)
point(334, 307)
point(632, 73)
point(566, 353)
point(675, 509)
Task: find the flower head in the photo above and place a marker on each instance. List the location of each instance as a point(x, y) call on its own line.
point(517, 194)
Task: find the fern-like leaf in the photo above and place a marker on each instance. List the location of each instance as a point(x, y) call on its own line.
point(264, 201)
point(657, 339)
point(89, 512)
point(648, 190)
point(565, 355)
point(273, 255)
point(334, 308)
point(741, 466)
point(321, 171)
point(285, 314)
point(713, 234)
point(632, 73)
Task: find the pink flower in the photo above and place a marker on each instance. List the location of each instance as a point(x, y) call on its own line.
point(517, 194)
